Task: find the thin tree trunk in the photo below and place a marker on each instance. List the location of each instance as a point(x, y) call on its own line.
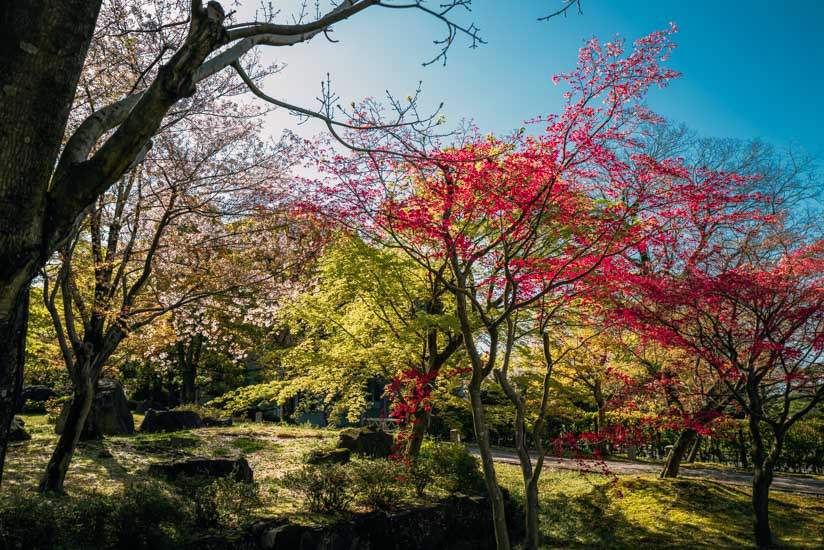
point(532, 535)
point(12, 354)
point(493, 488)
point(676, 454)
point(602, 408)
point(188, 359)
point(742, 447)
point(79, 408)
point(695, 448)
point(419, 426)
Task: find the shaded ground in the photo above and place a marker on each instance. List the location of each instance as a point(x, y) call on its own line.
point(792, 484)
point(579, 511)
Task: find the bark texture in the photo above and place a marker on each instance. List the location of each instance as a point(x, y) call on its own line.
point(44, 45)
point(679, 451)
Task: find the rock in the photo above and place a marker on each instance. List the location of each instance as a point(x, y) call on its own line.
point(143, 406)
point(18, 432)
point(366, 441)
point(36, 396)
point(235, 468)
point(329, 456)
point(211, 422)
point(170, 421)
point(458, 522)
point(110, 414)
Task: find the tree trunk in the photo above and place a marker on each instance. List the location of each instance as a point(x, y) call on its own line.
point(493, 489)
point(763, 467)
point(12, 354)
point(419, 426)
point(694, 450)
point(188, 359)
point(44, 45)
point(532, 535)
point(742, 447)
point(602, 419)
point(79, 408)
point(676, 454)
point(761, 480)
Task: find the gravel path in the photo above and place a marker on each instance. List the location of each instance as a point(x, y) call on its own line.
point(780, 483)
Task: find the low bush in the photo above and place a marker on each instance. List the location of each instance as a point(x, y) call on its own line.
point(327, 489)
point(451, 465)
point(225, 503)
point(376, 483)
point(149, 516)
point(144, 516)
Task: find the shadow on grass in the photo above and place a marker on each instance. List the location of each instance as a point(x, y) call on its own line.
point(638, 513)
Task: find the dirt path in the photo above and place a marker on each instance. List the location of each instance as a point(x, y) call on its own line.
point(780, 483)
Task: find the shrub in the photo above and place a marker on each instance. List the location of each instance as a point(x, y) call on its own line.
point(225, 503)
point(327, 488)
point(20, 512)
point(375, 482)
point(147, 516)
point(453, 467)
point(420, 473)
point(144, 516)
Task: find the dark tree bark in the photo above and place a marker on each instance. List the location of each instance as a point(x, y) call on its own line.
point(601, 402)
point(694, 450)
point(679, 450)
point(763, 460)
point(418, 432)
point(12, 354)
point(44, 45)
point(79, 407)
point(188, 359)
point(742, 448)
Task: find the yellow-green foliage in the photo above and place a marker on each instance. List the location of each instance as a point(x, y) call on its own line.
point(362, 321)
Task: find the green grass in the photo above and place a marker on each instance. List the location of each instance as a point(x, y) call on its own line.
point(579, 511)
point(591, 512)
point(248, 446)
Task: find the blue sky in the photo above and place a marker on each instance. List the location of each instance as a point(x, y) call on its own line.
point(751, 68)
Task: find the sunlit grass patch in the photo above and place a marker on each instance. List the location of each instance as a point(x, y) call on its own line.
point(590, 511)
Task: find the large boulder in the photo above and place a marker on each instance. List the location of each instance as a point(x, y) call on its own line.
point(235, 468)
point(110, 414)
point(142, 406)
point(458, 522)
point(366, 441)
point(18, 432)
point(33, 398)
point(329, 456)
point(170, 421)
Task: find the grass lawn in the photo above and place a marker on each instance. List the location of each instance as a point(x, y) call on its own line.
point(589, 511)
point(579, 511)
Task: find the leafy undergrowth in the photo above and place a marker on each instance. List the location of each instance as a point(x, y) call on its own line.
point(589, 511)
point(272, 450)
point(584, 512)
